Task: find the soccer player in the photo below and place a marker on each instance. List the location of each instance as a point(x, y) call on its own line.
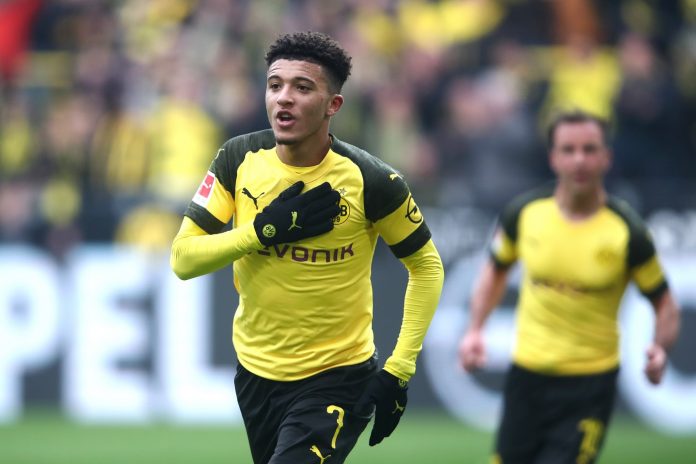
point(579, 247)
point(307, 209)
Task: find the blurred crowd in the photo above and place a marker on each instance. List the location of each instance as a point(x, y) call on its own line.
point(111, 111)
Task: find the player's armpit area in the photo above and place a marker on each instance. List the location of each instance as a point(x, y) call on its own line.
point(195, 253)
point(425, 277)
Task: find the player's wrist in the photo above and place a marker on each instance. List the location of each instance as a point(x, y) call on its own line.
point(250, 237)
point(394, 377)
point(657, 347)
point(475, 327)
point(474, 330)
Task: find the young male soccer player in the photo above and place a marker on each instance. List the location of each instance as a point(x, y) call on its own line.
point(580, 247)
point(307, 210)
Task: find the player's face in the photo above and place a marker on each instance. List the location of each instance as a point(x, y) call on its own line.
point(579, 156)
point(299, 102)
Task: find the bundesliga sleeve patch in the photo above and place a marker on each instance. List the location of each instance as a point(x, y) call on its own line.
point(205, 191)
point(497, 242)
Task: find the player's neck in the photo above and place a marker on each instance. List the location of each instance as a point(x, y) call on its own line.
point(308, 152)
point(577, 206)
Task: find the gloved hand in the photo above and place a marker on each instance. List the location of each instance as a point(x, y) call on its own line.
point(294, 216)
point(388, 394)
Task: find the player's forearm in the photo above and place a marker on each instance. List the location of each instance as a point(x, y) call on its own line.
point(487, 295)
point(667, 320)
point(195, 253)
point(422, 295)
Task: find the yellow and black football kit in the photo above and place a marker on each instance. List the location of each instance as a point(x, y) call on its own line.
point(306, 306)
point(559, 393)
point(575, 274)
point(303, 327)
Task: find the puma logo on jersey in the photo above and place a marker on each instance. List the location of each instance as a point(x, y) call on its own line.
point(316, 451)
point(246, 192)
point(394, 176)
point(398, 408)
point(293, 215)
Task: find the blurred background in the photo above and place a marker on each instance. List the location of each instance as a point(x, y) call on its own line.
point(111, 111)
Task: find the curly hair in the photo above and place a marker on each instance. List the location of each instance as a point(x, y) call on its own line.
point(317, 48)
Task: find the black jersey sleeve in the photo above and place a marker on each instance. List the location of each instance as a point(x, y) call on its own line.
point(388, 202)
point(641, 257)
point(212, 206)
point(640, 243)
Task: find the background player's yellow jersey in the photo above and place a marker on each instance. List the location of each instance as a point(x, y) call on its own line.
point(307, 306)
point(574, 276)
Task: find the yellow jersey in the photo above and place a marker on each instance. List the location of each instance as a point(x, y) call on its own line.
point(574, 277)
point(306, 306)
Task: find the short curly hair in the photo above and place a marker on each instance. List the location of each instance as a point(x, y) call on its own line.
point(314, 47)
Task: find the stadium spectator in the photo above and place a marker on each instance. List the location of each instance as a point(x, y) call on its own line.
point(127, 63)
point(648, 113)
point(307, 380)
point(16, 17)
point(579, 247)
point(488, 137)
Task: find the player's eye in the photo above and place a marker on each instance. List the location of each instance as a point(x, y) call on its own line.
point(590, 149)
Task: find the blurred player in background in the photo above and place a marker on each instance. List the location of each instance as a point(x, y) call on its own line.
point(307, 210)
point(580, 247)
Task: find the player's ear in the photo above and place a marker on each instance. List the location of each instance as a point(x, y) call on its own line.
point(552, 160)
point(610, 159)
point(334, 104)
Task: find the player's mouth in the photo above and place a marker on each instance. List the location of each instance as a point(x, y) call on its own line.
point(285, 119)
point(581, 177)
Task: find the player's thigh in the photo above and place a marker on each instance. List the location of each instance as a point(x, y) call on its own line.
point(577, 440)
point(519, 434)
point(518, 438)
point(259, 400)
point(577, 436)
point(314, 432)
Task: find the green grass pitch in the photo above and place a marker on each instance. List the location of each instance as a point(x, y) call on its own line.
point(47, 438)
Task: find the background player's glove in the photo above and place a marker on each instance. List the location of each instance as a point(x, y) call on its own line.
point(294, 216)
point(388, 394)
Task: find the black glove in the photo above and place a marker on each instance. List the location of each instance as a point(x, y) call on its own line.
point(293, 216)
point(388, 394)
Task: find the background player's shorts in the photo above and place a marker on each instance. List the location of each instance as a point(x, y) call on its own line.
point(304, 421)
point(554, 419)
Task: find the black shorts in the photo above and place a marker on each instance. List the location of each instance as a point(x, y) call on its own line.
point(304, 421)
point(554, 419)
